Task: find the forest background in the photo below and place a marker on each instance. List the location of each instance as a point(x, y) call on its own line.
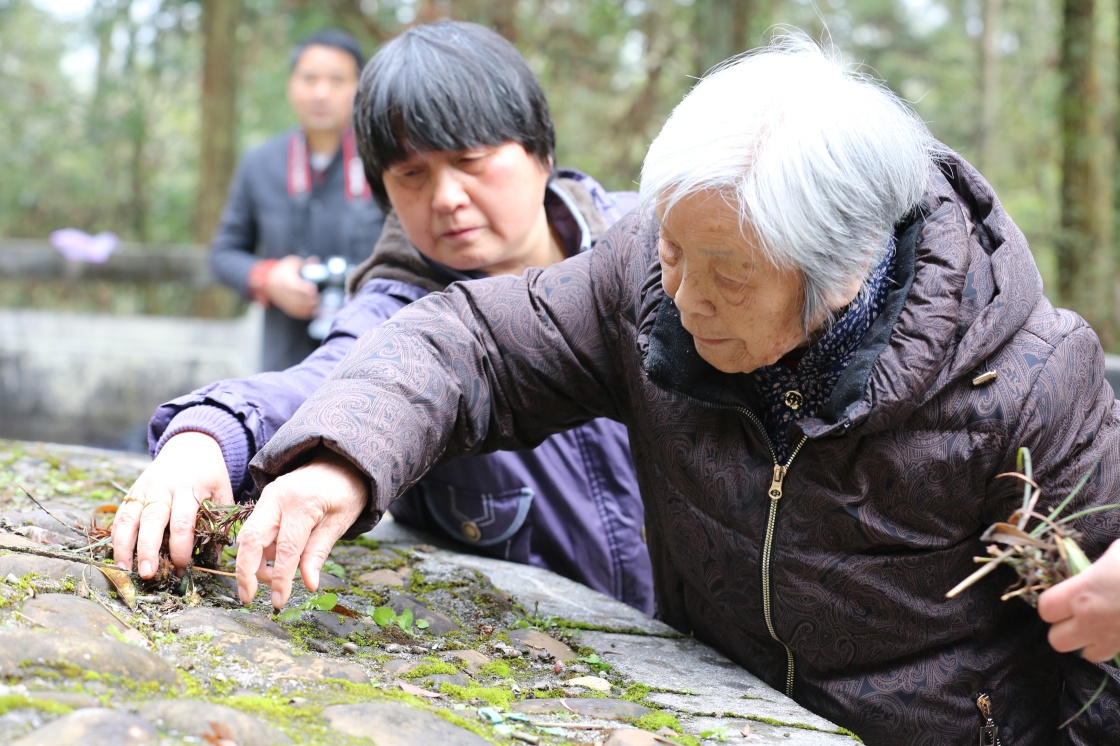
point(129, 115)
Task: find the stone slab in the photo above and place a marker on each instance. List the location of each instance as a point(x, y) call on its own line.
point(602, 708)
point(22, 652)
point(536, 642)
point(49, 568)
point(93, 727)
point(61, 612)
point(718, 685)
point(731, 731)
point(194, 718)
point(275, 657)
point(547, 594)
point(392, 724)
point(202, 620)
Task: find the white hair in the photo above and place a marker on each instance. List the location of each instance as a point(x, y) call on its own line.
point(820, 162)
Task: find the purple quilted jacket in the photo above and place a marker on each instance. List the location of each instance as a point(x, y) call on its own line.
point(570, 505)
point(826, 575)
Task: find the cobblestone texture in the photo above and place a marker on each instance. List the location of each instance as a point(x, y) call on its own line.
point(510, 654)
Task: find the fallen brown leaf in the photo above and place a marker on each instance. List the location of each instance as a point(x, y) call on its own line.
point(340, 609)
point(122, 582)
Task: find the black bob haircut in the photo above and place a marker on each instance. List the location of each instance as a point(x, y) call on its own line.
point(329, 38)
point(447, 86)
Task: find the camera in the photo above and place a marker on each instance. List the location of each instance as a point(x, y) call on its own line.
point(330, 278)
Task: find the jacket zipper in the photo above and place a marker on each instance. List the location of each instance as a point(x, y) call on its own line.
point(989, 733)
point(775, 494)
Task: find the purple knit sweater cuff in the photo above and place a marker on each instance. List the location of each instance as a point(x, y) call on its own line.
point(223, 427)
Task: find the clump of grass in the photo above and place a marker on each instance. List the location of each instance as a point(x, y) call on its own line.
point(1042, 549)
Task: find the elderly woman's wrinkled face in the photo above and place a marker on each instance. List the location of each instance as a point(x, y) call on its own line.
point(741, 311)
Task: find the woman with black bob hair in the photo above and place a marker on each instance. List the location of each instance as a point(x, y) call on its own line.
point(456, 138)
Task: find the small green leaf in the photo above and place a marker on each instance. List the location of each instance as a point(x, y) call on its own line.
point(404, 620)
point(325, 602)
point(333, 568)
point(384, 616)
point(422, 624)
point(291, 615)
point(117, 633)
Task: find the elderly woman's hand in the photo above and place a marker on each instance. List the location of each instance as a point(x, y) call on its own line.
point(188, 470)
point(296, 522)
point(1085, 610)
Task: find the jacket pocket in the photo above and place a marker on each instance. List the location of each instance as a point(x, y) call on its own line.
point(482, 519)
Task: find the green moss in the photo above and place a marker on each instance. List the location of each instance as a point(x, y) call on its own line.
point(22, 701)
point(495, 668)
point(574, 625)
point(466, 724)
point(657, 720)
point(303, 724)
point(431, 669)
point(493, 696)
point(636, 693)
point(361, 541)
point(800, 726)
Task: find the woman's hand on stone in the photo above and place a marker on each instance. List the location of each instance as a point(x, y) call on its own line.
point(296, 522)
point(1084, 611)
point(188, 470)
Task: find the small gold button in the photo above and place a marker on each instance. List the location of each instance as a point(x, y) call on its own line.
point(793, 399)
point(471, 531)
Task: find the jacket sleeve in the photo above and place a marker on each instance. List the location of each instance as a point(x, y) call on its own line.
point(243, 414)
point(1070, 424)
point(232, 252)
point(497, 363)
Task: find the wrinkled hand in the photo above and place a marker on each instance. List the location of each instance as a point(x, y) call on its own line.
point(297, 520)
point(1085, 610)
point(188, 470)
point(288, 291)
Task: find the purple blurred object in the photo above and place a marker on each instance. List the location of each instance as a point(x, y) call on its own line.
point(79, 246)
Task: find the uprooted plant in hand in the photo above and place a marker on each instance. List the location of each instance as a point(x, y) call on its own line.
point(215, 528)
point(1041, 548)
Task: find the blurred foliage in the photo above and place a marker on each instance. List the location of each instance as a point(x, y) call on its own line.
point(101, 105)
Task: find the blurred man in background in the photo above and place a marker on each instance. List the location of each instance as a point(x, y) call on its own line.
point(299, 199)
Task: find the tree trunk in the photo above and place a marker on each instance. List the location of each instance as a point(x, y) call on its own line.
point(989, 85)
point(217, 148)
point(1084, 240)
point(722, 30)
point(503, 18)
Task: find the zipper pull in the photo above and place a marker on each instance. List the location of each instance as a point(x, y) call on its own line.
point(989, 733)
point(776, 485)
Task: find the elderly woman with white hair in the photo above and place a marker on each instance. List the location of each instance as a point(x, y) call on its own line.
point(827, 339)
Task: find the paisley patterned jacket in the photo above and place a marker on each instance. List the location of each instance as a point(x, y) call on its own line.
point(827, 578)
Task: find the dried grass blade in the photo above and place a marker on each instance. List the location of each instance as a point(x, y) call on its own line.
point(993, 563)
point(42, 508)
point(1011, 535)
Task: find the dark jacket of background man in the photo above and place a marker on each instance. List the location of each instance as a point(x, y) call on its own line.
point(267, 226)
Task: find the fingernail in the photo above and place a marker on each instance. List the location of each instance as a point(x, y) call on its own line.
point(145, 569)
point(277, 600)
